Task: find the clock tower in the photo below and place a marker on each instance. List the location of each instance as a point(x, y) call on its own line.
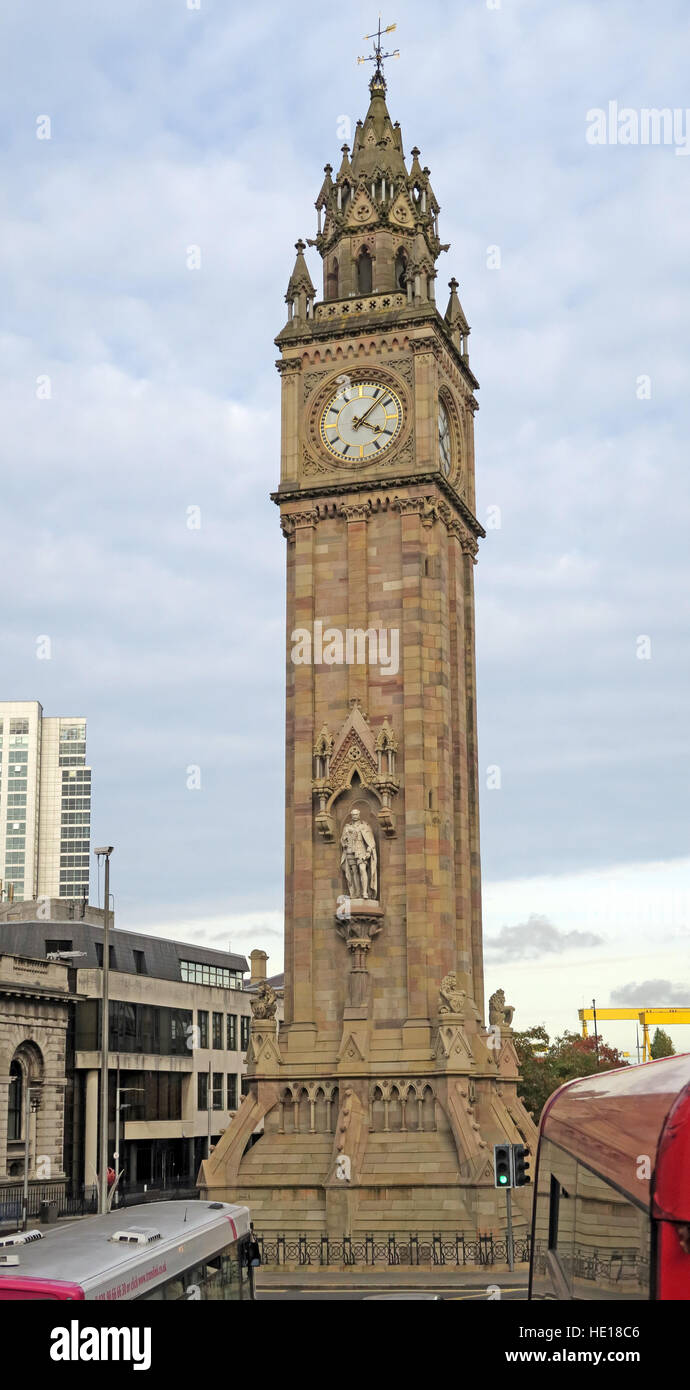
point(379, 1102)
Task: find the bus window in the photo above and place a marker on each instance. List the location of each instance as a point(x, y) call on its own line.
point(590, 1241)
point(222, 1278)
point(612, 1239)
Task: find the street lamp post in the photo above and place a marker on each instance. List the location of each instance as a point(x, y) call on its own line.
point(106, 851)
point(31, 1103)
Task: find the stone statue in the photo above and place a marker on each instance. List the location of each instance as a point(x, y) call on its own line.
point(451, 1000)
point(358, 858)
point(265, 1002)
point(499, 1011)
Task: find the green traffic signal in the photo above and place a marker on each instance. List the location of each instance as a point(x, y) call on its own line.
point(502, 1165)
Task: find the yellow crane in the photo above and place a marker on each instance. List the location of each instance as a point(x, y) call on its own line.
point(647, 1018)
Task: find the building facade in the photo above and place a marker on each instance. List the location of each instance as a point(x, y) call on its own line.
point(179, 1020)
point(45, 803)
point(389, 1085)
point(36, 1011)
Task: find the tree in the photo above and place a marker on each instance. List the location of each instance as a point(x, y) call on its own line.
point(546, 1065)
point(661, 1044)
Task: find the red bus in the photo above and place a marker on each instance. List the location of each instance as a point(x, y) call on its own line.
point(611, 1215)
point(164, 1251)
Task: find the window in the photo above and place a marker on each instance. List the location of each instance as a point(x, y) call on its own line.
point(202, 1090)
point(232, 1091)
point(196, 972)
point(99, 956)
point(232, 1032)
point(162, 1032)
point(151, 1095)
point(64, 945)
point(19, 726)
point(202, 1022)
point(217, 1090)
point(140, 962)
point(14, 1107)
point(591, 1240)
point(218, 1030)
point(364, 273)
point(332, 281)
point(244, 1031)
point(245, 1085)
point(69, 732)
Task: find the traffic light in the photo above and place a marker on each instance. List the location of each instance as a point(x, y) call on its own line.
point(503, 1168)
point(520, 1165)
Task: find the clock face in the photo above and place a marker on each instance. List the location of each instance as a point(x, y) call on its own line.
point(444, 444)
point(361, 420)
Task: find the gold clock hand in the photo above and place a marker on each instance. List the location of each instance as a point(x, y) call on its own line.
point(360, 419)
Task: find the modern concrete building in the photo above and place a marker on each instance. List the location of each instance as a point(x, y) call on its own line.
point(45, 803)
point(179, 1020)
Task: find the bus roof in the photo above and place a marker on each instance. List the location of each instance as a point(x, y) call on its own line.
point(82, 1252)
point(613, 1120)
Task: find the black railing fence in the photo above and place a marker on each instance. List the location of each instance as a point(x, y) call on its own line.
point(83, 1201)
point(287, 1249)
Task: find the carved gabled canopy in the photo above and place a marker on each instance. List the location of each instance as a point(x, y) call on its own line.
point(355, 749)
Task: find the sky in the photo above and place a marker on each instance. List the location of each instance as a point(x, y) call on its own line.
point(161, 158)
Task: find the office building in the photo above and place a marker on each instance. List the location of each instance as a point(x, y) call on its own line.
point(179, 1020)
point(45, 804)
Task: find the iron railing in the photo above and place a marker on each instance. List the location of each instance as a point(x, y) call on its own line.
point(442, 1249)
point(83, 1201)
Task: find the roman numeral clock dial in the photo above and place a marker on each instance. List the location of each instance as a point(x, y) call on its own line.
point(360, 421)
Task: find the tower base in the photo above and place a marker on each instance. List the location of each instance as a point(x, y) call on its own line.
point(358, 1151)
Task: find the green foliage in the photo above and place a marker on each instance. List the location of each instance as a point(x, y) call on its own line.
point(661, 1044)
point(546, 1065)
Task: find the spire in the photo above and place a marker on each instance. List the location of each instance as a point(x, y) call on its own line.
point(326, 187)
point(416, 172)
point(300, 291)
point(455, 318)
point(300, 278)
point(345, 170)
point(378, 144)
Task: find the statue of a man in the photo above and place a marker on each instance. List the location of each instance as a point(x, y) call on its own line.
point(358, 858)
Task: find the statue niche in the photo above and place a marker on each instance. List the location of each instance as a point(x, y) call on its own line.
point(359, 858)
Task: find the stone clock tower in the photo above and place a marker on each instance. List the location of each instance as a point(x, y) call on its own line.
point(382, 1097)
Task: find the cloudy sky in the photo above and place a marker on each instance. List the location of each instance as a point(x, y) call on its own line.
point(136, 386)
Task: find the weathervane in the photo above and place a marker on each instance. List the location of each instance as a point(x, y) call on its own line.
point(378, 55)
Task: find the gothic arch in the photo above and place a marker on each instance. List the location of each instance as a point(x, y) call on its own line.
point(401, 268)
point(332, 279)
point(365, 271)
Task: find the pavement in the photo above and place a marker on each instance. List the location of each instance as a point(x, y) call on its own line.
point(464, 1282)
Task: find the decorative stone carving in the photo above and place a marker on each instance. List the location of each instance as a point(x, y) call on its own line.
point(264, 1002)
point(356, 511)
point(499, 1012)
point(451, 999)
point(355, 750)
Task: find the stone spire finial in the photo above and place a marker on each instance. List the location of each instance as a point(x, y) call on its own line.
point(345, 170)
point(455, 318)
point(326, 186)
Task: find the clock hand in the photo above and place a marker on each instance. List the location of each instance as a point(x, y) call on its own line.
point(376, 428)
point(360, 419)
